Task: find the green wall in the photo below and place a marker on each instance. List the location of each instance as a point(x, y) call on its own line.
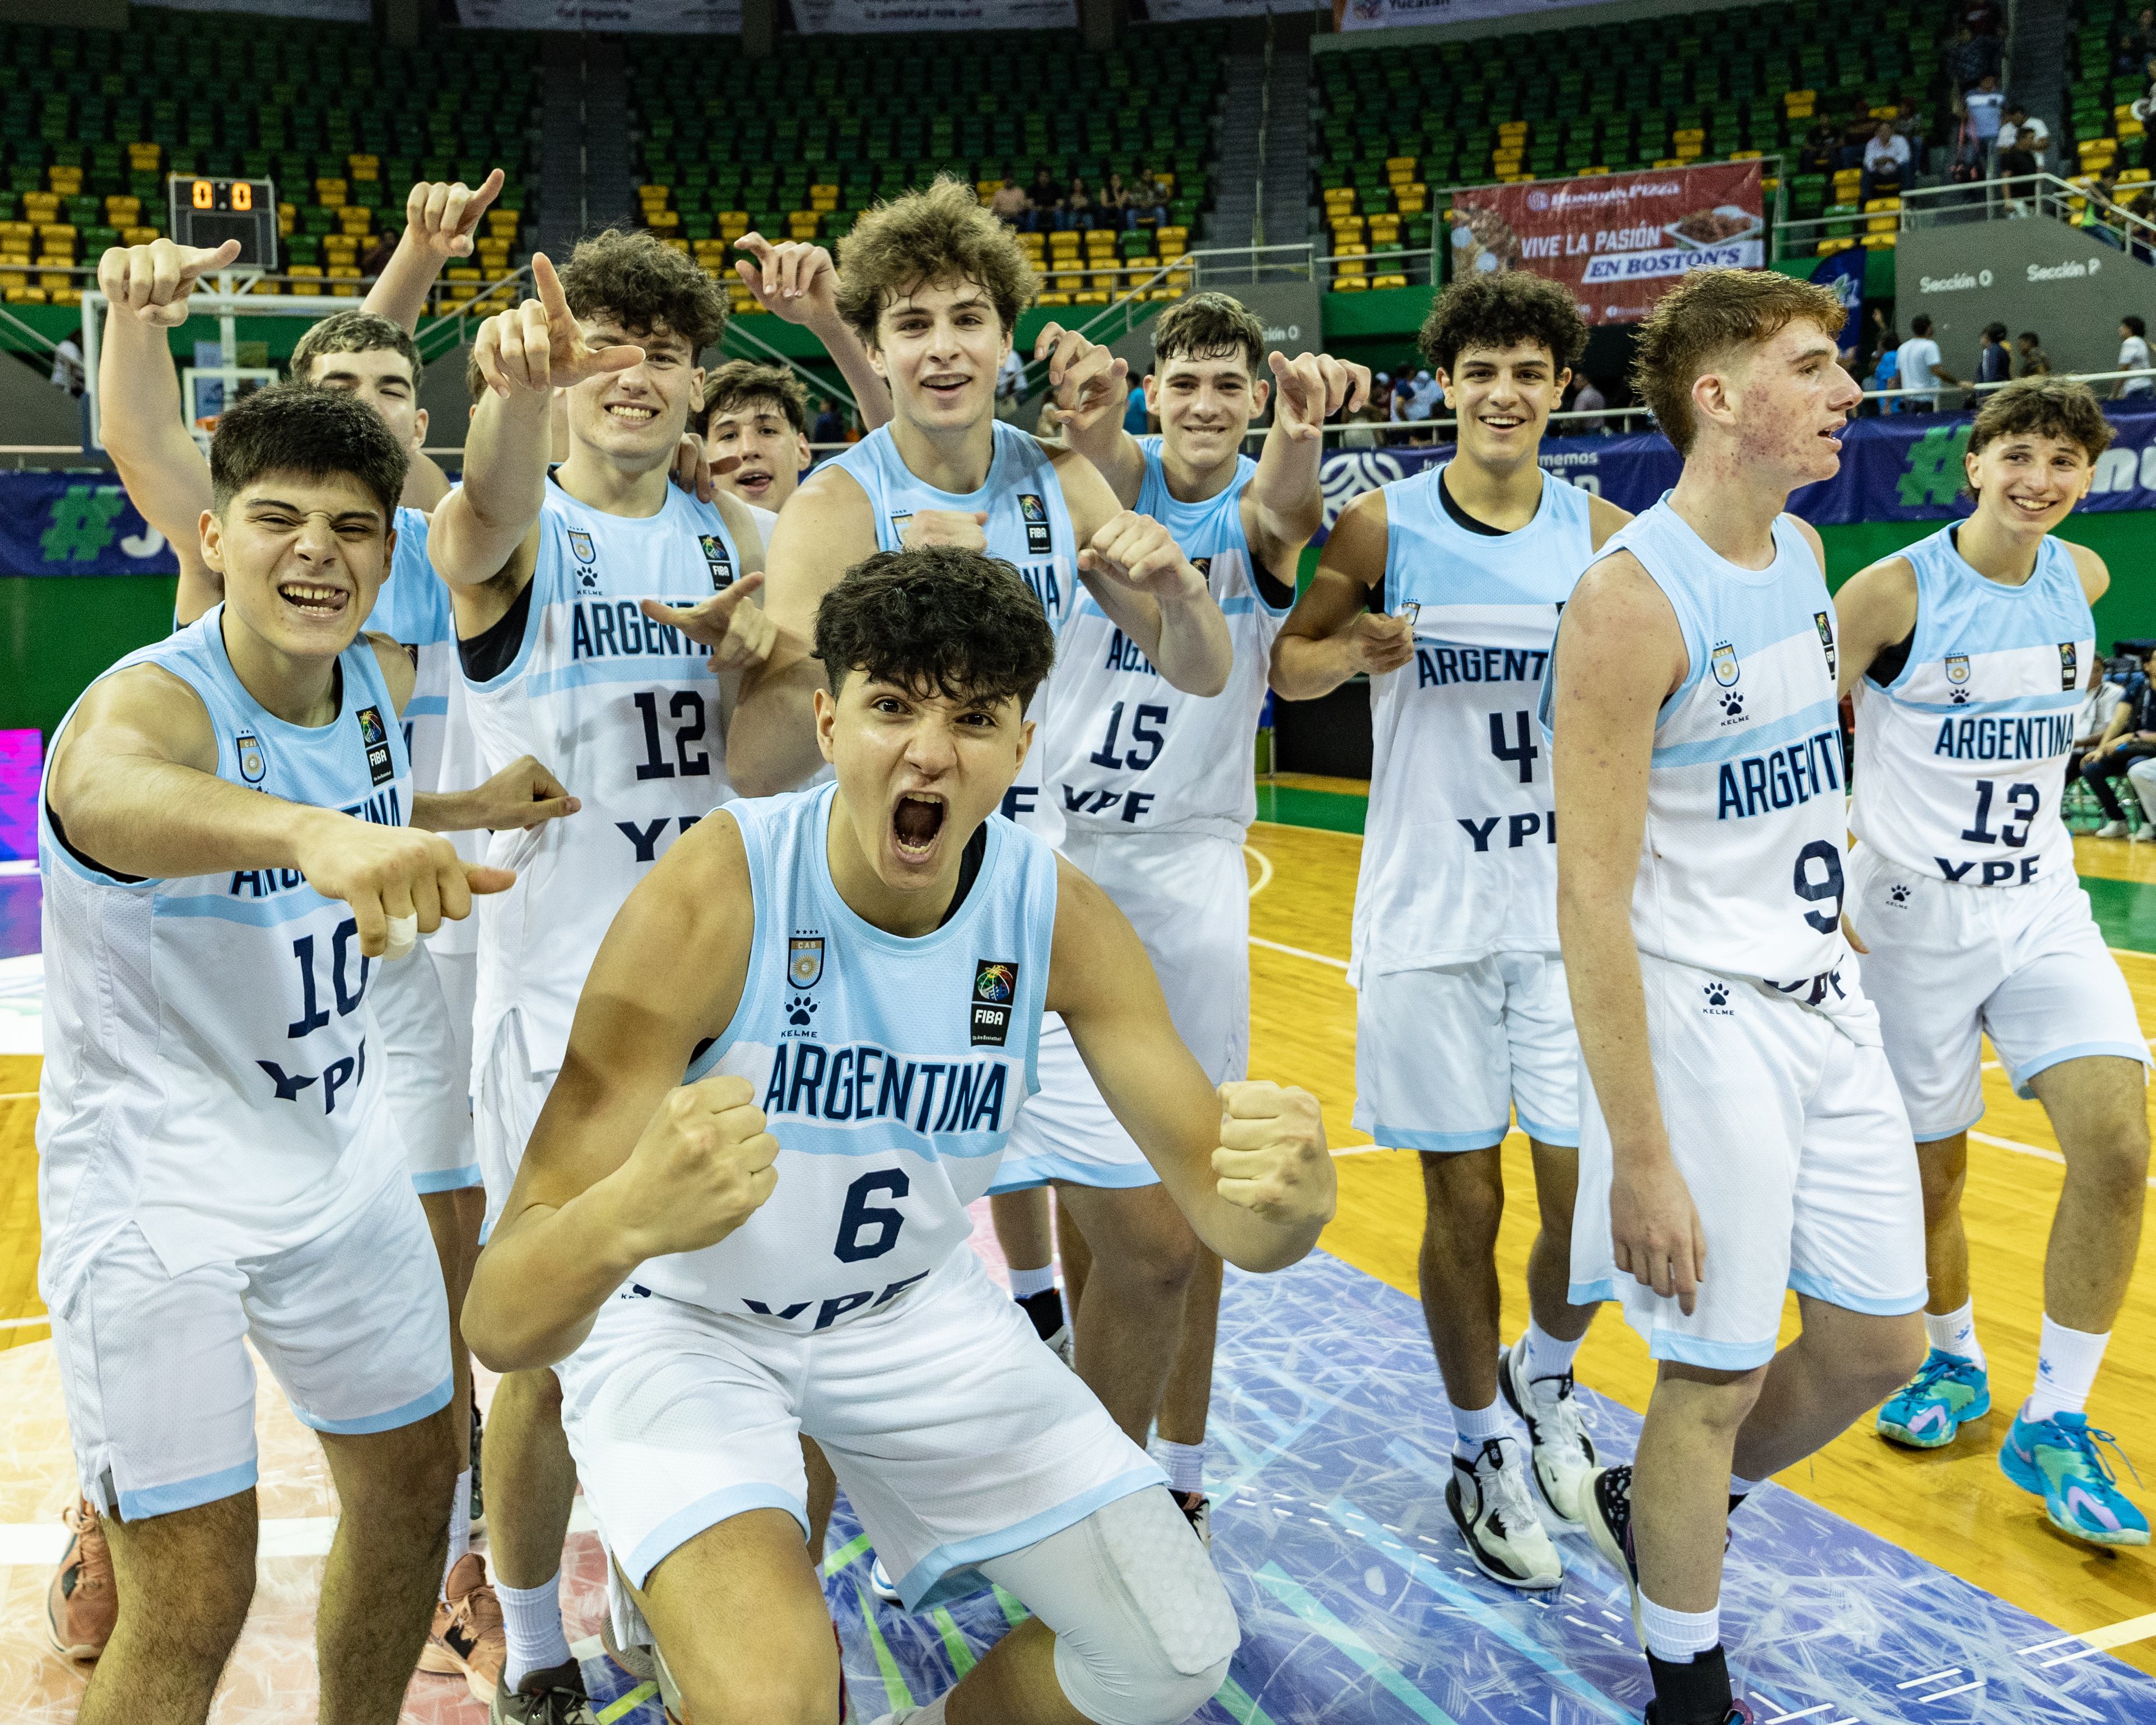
point(59, 632)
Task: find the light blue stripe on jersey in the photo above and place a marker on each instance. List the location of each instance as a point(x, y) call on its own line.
point(1753, 739)
point(427, 706)
point(257, 912)
point(1960, 612)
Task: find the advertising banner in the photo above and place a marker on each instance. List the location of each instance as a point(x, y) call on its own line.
point(688, 18)
point(1618, 241)
point(1903, 467)
point(75, 524)
point(814, 18)
point(1384, 14)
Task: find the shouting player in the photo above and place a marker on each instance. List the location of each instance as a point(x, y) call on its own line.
point(230, 860)
point(1744, 1137)
point(552, 576)
point(1967, 653)
point(1462, 1023)
point(1155, 792)
point(852, 979)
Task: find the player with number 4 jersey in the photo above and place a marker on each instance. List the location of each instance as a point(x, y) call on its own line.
point(1968, 654)
point(742, 1218)
point(1445, 589)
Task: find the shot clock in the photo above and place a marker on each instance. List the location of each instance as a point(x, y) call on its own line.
point(208, 210)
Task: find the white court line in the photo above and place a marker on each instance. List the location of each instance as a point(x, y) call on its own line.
point(2096, 1641)
point(1825, 1707)
point(1264, 870)
point(1941, 1694)
point(1298, 953)
point(2026, 1149)
point(23, 1323)
point(18, 865)
point(1952, 1671)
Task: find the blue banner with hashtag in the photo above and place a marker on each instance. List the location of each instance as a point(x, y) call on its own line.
point(1900, 467)
point(76, 524)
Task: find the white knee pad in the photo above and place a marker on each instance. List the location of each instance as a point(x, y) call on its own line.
point(1144, 1629)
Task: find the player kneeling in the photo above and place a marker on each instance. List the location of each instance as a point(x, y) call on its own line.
point(852, 978)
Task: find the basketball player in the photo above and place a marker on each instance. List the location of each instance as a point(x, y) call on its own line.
point(424, 1005)
point(1155, 790)
point(759, 415)
point(547, 572)
point(1462, 1021)
point(1966, 653)
point(227, 867)
point(1743, 1135)
point(853, 979)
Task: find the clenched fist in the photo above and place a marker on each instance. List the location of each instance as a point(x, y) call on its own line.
point(1272, 1159)
point(702, 1167)
point(1136, 551)
point(965, 529)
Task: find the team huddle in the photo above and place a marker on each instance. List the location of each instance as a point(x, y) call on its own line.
point(613, 916)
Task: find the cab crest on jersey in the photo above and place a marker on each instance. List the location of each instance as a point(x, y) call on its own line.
point(248, 749)
point(1958, 674)
point(580, 543)
point(804, 962)
point(1726, 669)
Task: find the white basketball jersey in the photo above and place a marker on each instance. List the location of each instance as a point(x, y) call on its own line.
point(1961, 756)
point(207, 1072)
point(1126, 752)
point(1029, 525)
point(1460, 845)
point(1740, 866)
point(631, 718)
point(890, 1071)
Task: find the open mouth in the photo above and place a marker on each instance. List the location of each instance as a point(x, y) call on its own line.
point(312, 598)
point(754, 483)
point(916, 822)
point(623, 412)
point(2031, 506)
point(947, 387)
point(1501, 422)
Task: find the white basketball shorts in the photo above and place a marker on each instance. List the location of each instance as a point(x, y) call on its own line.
point(1188, 896)
point(506, 1097)
point(1783, 1121)
point(957, 1436)
point(154, 1368)
point(1948, 964)
point(1445, 1058)
point(427, 1033)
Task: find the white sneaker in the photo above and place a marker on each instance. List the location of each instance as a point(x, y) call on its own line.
point(1564, 1452)
point(881, 1585)
point(1489, 1504)
point(2111, 829)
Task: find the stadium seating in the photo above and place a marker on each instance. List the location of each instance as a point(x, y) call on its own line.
point(92, 122)
point(1395, 123)
point(800, 145)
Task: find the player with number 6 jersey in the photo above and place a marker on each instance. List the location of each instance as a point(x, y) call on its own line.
point(1968, 654)
point(1461, 1022)
point(852, 979)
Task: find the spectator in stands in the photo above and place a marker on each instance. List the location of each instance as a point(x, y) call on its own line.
point(1361, 432)
point(67, 364)
point(1885, 162)
point(2022, 134)
point(1920, 368)
point(830, 427)
point(2030, 361)
point(1588, 399)
point(1042, 197)
point(2132, 356)
point(2137, 41)
point(1994, 364)
point(1969, 57)
point(2130, 736)
point(1857, 128)
point(1816, 154)
point(1077, 208)
point(1114, 204)
point(1010, 204)
point(1428, 397)
point(2106, 689)
point(1909, 123)
point(1010, 385)
point(1148, 201)
point(1984, 106)
point(1982, 18)
point(1886, 371)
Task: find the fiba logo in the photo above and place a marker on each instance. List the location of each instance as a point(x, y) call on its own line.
point(1348, 475)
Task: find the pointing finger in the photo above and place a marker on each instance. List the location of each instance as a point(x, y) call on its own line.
point(490, 189)
point(549, 286)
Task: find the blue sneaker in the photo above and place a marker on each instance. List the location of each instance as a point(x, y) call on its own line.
point(1927, 1412)
point(2056, 1458)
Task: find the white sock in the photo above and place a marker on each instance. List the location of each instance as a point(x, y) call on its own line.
point(531, 1622)
point(1674, 1637)
point(1473, 1427)
point(2066, 1362)
point(1955, 1333)
point(1026, 1283)
point(459, 1526)
point(1186, 1465)
point(1547, 1356)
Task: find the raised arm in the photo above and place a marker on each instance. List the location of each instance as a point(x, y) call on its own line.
point(627, 1162)
point(133, 782)
point(1874, 608)
point(799, 282)
point(483, 532)
point(1098, 389)
point(826, 527)
point(140, 414)
point(1619, 655)
point(1139, 576)
point(1332, 634)
point(1247, 1164)
point(1308, 390)
point(439, 221)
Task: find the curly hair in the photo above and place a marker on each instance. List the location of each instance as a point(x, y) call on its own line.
point(352, 332)
point(742, 382)
point(646, 284)
point(304, 429)
point(2042, 406)
point(1206, 326)
point(941, 617)
point(943, 233)
point(1503, 310)
point(1702, 318)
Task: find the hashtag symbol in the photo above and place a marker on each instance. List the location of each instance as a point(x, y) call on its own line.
point(81, 524)
point(1933, 475)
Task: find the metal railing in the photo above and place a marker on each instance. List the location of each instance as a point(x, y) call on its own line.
point(2043, 193)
